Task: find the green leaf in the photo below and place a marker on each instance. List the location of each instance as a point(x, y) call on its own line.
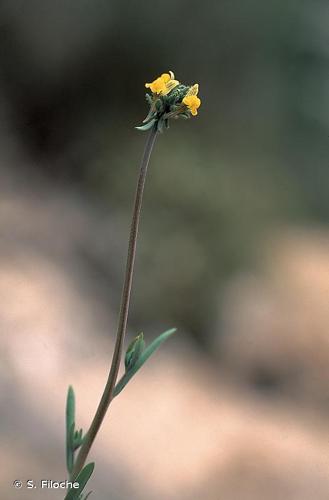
point(159, 105)
point(149, 350)
point(135, 349)
point(151, 114)
point(77, 439)
point(147, 126)
point(82, 478)
point(70, 423)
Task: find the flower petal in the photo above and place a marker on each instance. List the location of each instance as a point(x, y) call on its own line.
point(193, 90)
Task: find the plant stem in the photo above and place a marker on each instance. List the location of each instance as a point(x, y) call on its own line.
point(124, 310)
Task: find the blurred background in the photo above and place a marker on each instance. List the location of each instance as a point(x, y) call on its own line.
point(233, 248)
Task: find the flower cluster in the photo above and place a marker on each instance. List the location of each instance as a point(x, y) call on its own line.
point(169, 99)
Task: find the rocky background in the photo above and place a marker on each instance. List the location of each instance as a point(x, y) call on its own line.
point(234, 247)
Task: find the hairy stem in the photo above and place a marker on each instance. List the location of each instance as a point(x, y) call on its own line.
point(124, 309)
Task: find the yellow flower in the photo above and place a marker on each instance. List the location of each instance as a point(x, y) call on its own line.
point(191, 100)
point(164, 84)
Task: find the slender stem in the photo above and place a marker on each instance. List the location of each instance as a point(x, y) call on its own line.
point(124, 309)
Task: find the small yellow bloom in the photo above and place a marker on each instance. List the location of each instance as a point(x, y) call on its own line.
point(191, 100)
point(164, 84)
point(193, 103)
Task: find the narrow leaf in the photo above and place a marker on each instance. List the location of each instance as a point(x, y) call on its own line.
point(82, 478)
point(151, 114)
point(77, 439)
point(147, 126)
point(149, 350)
point(71, 447)
point(70, 419)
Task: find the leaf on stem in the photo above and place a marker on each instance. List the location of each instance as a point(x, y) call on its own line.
point(147, 126)
point(82, 479)
point(143, 357)
point(77, 439)
point(74, 438)
point(70, 423)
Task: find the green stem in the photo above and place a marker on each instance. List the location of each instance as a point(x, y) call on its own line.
point(124, 309)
